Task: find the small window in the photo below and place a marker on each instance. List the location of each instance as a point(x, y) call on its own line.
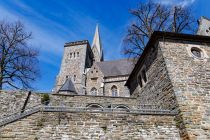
point(93, 91)
point(114, 91)
point(196, 52)
point(74, 55)
point(144, 75)
point(207, 31)
point(67, 76)
point(70, 55)
point(75, 77)
point(77, 54)
point(140, 81)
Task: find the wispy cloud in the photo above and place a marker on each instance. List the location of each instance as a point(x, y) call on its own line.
point(42, 39)
point(60, 22)
point(182, 3)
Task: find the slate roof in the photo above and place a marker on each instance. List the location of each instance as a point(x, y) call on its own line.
point(116, 68)
point(68, 86)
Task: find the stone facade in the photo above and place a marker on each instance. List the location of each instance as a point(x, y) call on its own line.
point(13, 101)
point(91, 126)
point(79, 63)
point(95, 79)
point(158, 88)
point(76, 59)
point(119, 82)
point(177, 69)
point(190, 79)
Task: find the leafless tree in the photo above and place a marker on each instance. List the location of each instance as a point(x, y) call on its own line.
point(150, 17)
point(18, 61)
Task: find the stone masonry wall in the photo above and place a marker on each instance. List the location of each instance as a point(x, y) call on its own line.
point(94, 80)
point(190, 77)
point(86, 126)
point(121, 88)
point(84, 100)
point(13, 101)
point(73, 64)
point(158, 88)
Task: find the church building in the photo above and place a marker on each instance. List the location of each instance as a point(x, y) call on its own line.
point(84, 72)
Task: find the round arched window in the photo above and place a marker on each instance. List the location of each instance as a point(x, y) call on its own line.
point(114, 91)
point(196, 52)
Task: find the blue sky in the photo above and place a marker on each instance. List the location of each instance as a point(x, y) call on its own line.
point(54, 22)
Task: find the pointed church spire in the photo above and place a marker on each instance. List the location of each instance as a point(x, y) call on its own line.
point(96, 46)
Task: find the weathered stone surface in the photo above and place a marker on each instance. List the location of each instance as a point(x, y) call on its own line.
point(190, 79)
point(44, 126)
point(13, 101)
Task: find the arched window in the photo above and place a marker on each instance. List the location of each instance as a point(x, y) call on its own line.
point(93, 91)
point(114, 91)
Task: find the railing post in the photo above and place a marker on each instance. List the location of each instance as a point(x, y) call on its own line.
point(26, 101)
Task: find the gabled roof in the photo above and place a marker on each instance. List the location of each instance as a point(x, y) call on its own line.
point(159, 35)
point(116, 68)
point(68, 86)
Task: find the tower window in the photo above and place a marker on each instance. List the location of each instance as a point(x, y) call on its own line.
point(67, 76)
point(140, 81)
point(74, 54)
point(75, 77)
point(93, 91)
point(70, 55)
point(77, 54)
point(114, 91)
point(196, 52)
point(144, 75)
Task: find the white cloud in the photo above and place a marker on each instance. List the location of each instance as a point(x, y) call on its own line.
point(182, 3)
point(45, 41)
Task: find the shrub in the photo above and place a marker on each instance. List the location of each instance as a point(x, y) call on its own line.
point(45, 99)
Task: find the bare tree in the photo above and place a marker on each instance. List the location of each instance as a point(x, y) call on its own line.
point(150, 17)
point(18, 62)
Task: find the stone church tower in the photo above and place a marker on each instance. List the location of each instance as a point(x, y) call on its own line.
point(77, 59)
point(83, 71)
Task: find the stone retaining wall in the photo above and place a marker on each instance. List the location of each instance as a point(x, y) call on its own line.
point(84, 100)
point(13, 101)
point(67, 126)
